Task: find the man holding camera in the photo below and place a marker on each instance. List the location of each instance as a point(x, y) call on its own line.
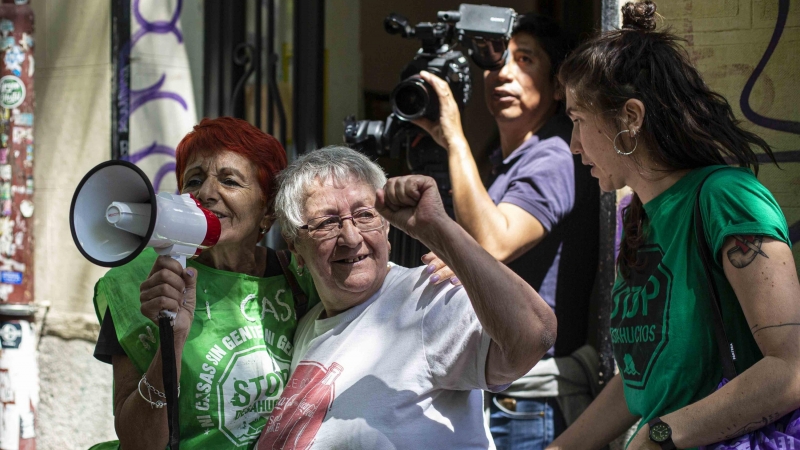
point(539, 216)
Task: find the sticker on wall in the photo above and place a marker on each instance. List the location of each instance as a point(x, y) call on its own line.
point(26, 42)
point(6, 391)
point(12, 91)
point(6, 26)
point(10, 277)
point(5, 171)
point(6, 290)
point(14, 59)
point(29, 185)
point(7, 212)
point(24, 119)
point(6, 42)
point(22, 135)
point(11, 335)
point(29, 153)
point(5, 191)
point(26, 425)
point(7, 246)
point(26, 208)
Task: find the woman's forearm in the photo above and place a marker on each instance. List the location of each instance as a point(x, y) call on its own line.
point(602, 422)
point(138, 424)
point(759, 396)
point(521, 325)
point(767, 289)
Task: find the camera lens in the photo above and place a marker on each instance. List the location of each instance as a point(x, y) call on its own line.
point(411, 99)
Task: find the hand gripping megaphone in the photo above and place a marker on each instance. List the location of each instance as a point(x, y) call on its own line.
point(115, 214)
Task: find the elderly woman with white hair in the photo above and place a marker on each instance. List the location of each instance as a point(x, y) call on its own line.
point(388, 360)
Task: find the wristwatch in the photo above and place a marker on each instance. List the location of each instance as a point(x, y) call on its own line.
point(661, 434)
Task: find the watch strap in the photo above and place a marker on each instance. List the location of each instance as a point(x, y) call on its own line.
point(666, 445)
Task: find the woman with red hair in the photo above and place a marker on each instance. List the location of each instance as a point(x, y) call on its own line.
point(237, 304)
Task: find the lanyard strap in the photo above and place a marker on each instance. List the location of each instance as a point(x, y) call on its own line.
point(724, 346)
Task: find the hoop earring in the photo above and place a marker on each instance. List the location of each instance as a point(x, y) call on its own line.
point(635, 144)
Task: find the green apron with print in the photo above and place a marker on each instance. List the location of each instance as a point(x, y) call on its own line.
point(236, 359)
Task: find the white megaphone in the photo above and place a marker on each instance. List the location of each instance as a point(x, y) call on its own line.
point(115, 214)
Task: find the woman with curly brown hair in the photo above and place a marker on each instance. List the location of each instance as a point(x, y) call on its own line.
point(644, 118)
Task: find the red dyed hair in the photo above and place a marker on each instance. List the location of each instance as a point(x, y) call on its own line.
point(238, 136)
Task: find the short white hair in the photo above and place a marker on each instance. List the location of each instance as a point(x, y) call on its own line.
point(334, 163)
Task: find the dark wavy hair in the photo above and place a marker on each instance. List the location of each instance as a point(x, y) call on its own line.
point(553, 40)
point(686, 124)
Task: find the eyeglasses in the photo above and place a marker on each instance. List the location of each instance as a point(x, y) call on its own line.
point(328, 227)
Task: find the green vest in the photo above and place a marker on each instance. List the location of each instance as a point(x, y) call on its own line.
point(236, 360)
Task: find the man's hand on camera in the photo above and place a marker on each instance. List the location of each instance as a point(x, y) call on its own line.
point(447, 132)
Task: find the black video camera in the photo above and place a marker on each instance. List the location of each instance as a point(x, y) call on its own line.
point(483, 30)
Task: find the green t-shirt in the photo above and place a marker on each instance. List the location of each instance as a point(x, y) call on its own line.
point(236, 360)
point(661, 323)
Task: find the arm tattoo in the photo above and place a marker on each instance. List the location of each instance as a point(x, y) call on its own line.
point(753, 426)
point(756, 330)
point(745, 250)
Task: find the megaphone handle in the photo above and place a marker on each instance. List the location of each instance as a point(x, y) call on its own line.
point(167, 313)
point(168, 367)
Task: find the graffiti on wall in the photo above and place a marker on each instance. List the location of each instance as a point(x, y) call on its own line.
point(155, 102)
point(786, 125)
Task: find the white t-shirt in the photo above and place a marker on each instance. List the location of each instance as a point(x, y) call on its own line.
point(402, 370)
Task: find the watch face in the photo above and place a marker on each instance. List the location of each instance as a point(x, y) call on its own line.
point(660, 432)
